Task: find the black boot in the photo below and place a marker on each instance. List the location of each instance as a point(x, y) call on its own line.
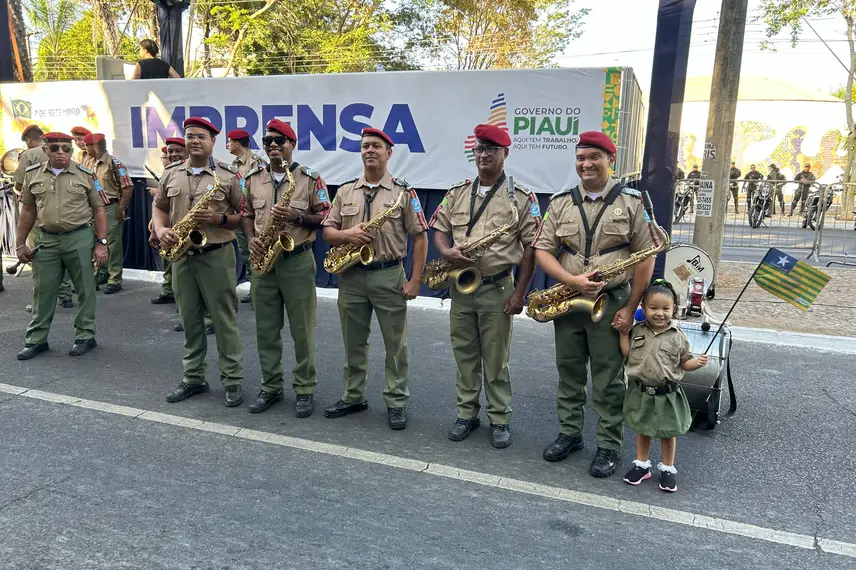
point(500, 437)
point(463, 428)
point(185, 391)
point(303, 406)
point(604, 462)
point(342, 408)
point(397, 418)
point(234, 396)
point(563, 446)
point(81, 347)
point(31, 350)
point(264, 401)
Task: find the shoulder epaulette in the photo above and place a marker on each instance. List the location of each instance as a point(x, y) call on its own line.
point(256, 170)
point(560, 193)
point(35, 166)
point(309, 172)
point(84, 169)
point(631, 192)
point(460, 183)
point(225, 166)
point(173, 165)
point(116, 161)
point(402, 182)
point(351, 181)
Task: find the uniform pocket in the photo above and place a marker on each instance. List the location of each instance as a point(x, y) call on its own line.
point(78, 188)
point(569, 234)
point(619, 227)
point(297, 205)
point(350, 211)
point(173, 191)
point(637, 349)
point(218, 196)
point(669, 354)
point(258, 203)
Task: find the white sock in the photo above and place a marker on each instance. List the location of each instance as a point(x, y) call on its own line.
point(643, 464)
point(670, 468)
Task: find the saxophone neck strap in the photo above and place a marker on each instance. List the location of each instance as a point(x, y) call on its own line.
point(610, 197)
point(474, 217)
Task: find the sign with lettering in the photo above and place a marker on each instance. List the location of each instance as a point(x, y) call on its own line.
point(704, 200)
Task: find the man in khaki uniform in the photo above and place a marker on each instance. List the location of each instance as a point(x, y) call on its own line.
point(204, 278)
point(115, 191)
point(35, 154)
point(61, 195)
point(290, 283)
point(245, 161)
point(480, 322)
point(585, 228)
point(379, 286)
point(81, 156)
point(174, 151)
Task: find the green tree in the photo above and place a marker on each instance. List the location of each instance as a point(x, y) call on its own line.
point(49, 20)
point(789, 16)
point(483, 34)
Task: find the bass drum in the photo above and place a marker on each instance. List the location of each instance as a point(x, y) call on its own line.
point(683, 262)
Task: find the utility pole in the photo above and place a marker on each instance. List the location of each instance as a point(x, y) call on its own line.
point(710, 217)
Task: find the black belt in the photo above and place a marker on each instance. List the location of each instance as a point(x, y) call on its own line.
point(379, 265)
point(658, 390)
point(207, 248)
point(494, 278)
point(297, 250)
point(113, 201)
point(77, 229)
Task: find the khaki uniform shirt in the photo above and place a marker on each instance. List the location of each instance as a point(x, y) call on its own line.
point(63, 201)
point(249, 161)
point(112, 174)
point(563, 234)
point(28, 158)
point(390, 240)
point(81, 156)
point(180, 189)
point(655, 359)
point(453, 215)
point(309, 197)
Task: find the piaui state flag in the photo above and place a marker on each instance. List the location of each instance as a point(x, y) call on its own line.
point(789, 279)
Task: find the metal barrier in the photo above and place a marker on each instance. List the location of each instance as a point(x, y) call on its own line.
point(746, 227)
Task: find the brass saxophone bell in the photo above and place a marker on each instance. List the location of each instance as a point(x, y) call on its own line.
point(598, 308)
point(366, 254)
point(286, 242)
point(466, 279)
point(197, 238)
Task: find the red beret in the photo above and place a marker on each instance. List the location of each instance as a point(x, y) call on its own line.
point(238, 134)
point(28, 129)
point(163, 149)
point(57, 137)
point(282, 128)
point(492, 134)
point(93, 138)
point(368, 131)
point(80, 131)
point(203, 123)
point(598, 140)
point(175, 140)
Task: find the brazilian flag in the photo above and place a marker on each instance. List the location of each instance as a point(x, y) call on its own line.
point(21, 109)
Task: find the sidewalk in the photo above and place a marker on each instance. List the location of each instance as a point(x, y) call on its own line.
point(833, 313)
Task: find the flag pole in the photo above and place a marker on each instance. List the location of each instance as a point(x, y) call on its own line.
point(722, 324)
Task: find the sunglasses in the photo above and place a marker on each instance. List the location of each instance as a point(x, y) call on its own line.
point(486, 150)
point(66, 148)
point(278, 140)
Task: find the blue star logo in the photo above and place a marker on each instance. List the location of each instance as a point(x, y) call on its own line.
point(417, 207)
point(322, 196)
point(534, 210)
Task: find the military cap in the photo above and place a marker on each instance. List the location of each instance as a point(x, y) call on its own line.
point(493, 134)
point(596, 139)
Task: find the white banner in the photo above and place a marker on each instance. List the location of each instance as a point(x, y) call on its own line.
point(429, 115)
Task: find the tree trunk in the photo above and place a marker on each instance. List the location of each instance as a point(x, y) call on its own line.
point(109, 28)
point(847, 198)
point(206, 49)
point(17, 20)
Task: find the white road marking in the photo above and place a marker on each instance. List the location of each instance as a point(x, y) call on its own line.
point(675, 516)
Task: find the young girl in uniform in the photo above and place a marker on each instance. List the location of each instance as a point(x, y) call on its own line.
point(657, 354)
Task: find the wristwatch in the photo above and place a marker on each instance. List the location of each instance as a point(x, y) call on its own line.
point(299, 219)
point(102, 241)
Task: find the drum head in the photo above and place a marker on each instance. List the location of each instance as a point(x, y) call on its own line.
point(685, 261)
point(9, 162)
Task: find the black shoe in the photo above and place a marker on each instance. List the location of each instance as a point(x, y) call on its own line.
point(81, 347)
point(209, 329)
point(604, 462)
point(234, 396)
point(31, 350)
point(178, 327)
point(163, 299)
point(668, 482)
point(500, 437)
point(2, 288)
point(563, 446)
point(638, 474)
point(247, 298)
point(303, 407)
point(264, 401)
point(343, 408)
point(185, 391)
point(112, 288)
point(66, 303)
point(463, 428)
point(397, 418)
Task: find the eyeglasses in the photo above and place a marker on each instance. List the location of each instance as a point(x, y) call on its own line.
point(485, 150)
point(278, 140)
point(66, 148)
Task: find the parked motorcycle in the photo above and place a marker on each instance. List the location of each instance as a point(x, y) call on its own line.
point(683, 195)
point(762, 204)
point(812, 211)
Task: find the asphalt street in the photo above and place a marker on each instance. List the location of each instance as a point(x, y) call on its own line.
point(91, 489)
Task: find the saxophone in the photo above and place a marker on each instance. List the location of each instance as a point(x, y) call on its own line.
point(187, 229)
point(439, 273)
point(345, 255)
point(273, 239)
point(559, 300)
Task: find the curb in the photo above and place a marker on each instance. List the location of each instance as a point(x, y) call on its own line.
point(843, 344)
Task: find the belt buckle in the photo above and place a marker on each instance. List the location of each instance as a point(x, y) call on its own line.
point(651, 390)
point(191, 252)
